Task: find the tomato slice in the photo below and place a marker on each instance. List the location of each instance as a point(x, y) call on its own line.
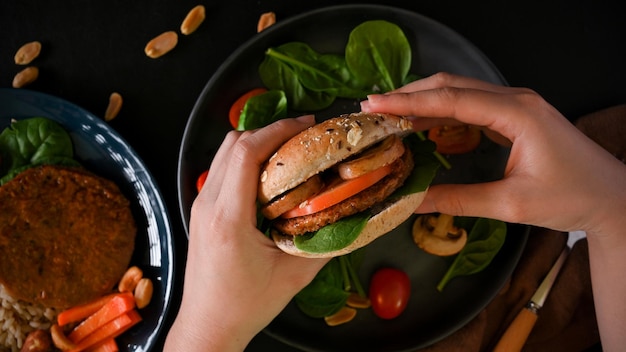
point(201, 179)
point(337, 191)
point(455, 139)
point(390, 290)
point(235, 110)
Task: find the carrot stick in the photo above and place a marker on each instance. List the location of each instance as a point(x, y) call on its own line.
point(117, 306)
point(81, 312)
point(108, 345)
point(110, 330)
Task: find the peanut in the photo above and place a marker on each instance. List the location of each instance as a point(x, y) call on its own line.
point(267, 19)
point(357, 301)
point(115, 104)
point(161, 44)
point(343, 316)
point(130, 279)
point(37, 341)
point(192, 21)
point(27, 53)
point(25, 77)
point(60, 340)
point(143, 293)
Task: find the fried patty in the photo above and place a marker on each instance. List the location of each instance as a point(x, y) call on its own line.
point(361, 201)
point(66, 236)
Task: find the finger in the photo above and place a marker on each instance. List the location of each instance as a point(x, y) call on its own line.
point(477, 107)
point(443, 79)
point(297, 271)
point(480, 200)
point(293, 272)
point(423, 124)
point(249, 153)
point(218, 167)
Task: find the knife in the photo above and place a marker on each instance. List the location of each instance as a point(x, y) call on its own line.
point(516, 334)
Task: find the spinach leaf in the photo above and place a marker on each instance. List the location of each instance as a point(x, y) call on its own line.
point(261, 110)
point(318, 72)
point(483, 243)
point(32, 142)
point(278, 74)
point(379, 54)
point(376, 58)
point(327, 293)
point(334, 236)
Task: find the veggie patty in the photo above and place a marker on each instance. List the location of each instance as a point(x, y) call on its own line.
point(66, 235)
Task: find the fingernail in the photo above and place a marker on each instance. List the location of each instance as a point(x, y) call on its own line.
point(375, 98)
point(372, 98)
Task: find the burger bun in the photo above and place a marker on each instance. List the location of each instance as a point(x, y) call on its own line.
point(378, 225)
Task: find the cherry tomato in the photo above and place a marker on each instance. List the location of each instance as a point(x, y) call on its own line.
point(455, 139)
point(389, 292)
point(237, 107)
point(201, 179)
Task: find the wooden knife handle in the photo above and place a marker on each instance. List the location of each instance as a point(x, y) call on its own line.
point(515, 336)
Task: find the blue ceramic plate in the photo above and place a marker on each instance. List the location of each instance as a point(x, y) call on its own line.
point(430, 315)
point(101, 150)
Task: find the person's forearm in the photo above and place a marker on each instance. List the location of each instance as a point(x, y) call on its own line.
point(607, 257)
point(609, 289)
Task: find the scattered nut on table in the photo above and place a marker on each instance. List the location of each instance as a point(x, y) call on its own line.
point(357, 301)
point(114, 107)
point(192, 21)
point(267, 19)
point(344, 315)
point(25, 77)
point(27, 53)
point(161, 44)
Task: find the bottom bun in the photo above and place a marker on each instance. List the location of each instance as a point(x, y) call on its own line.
point(382, 223)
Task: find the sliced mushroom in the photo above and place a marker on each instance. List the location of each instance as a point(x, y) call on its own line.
point(437, 234)
point(384, 153)
point(292, 198)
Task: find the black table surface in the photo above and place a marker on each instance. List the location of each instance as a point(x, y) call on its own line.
point(572, 52)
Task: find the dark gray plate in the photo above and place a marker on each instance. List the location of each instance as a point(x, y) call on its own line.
point(430, 315)
point(101, 150)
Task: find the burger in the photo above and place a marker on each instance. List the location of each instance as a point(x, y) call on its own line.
point(340, 184)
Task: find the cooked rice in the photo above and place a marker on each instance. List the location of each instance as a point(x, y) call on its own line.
point(18, 318)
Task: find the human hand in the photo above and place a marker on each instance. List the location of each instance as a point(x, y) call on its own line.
point(555, 177)
point(236, 279)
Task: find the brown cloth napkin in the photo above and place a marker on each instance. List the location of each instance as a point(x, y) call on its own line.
point(567, 321)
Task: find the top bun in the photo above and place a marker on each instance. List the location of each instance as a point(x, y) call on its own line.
point(323, 145)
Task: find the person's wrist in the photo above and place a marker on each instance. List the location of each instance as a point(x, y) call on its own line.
point(194, 331)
